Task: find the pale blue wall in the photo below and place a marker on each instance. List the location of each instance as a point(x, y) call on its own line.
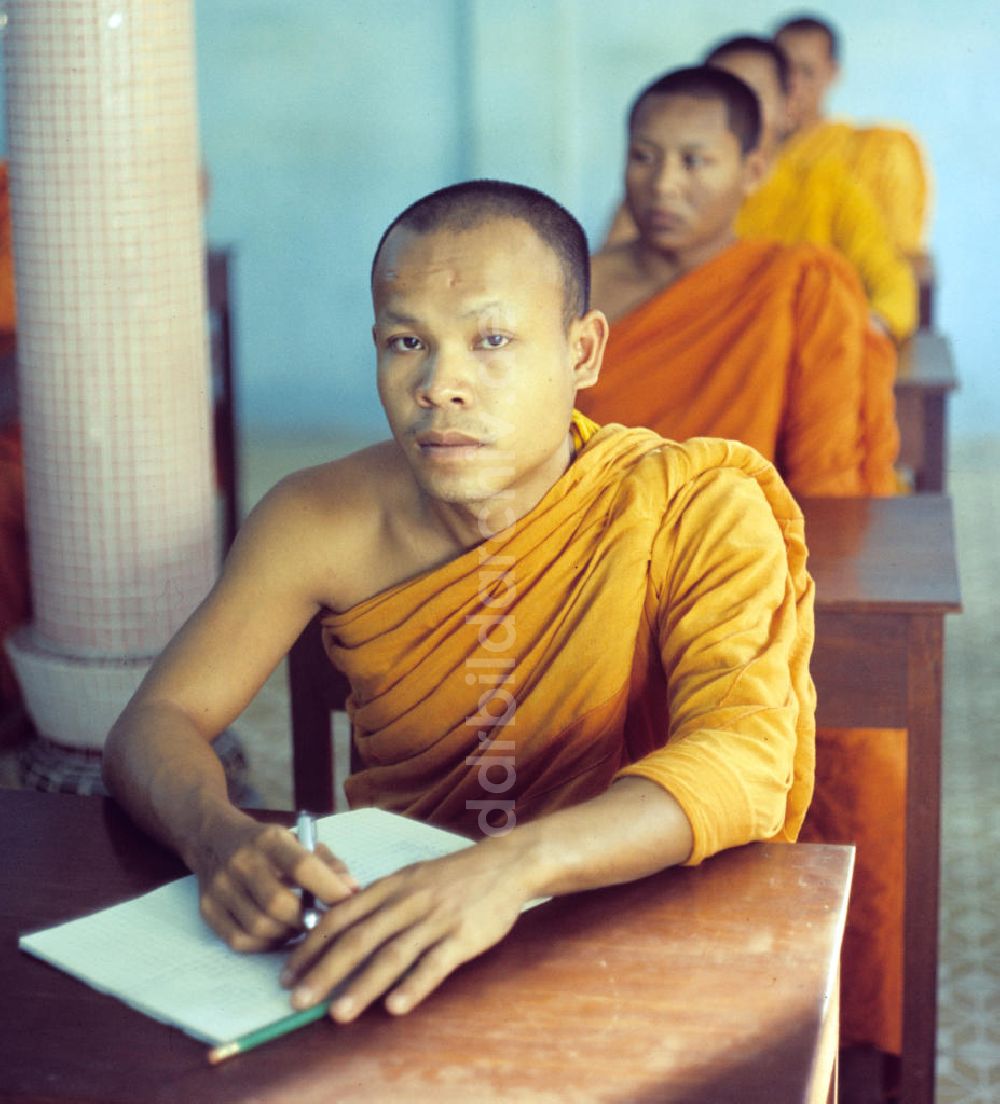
point(322, 118)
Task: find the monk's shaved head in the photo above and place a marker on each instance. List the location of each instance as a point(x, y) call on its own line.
point(761, 47)
point(467, 206)
point(704, 83)
point(811, 24)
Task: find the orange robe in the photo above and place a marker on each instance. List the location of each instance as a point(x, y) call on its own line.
point(762, 344)
point(888, 161)
point(766, 344)
point(819, 201)
point(651, 616)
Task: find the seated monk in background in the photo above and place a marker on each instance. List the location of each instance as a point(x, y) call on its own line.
point(765, 343)
point(887, 160)
point(771, 344)
point(588, 646)
point(799, 202)
point(820, 201)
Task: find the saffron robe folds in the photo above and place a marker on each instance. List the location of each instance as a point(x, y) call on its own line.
point(651, 616)
point(763, 344)
point(819, 202)
point(888, 162)
point(770, 345)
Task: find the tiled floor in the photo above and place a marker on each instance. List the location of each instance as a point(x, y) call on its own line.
point(969, 990)
point(969, 1021)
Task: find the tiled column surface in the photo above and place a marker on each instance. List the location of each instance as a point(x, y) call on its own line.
point(112, 351)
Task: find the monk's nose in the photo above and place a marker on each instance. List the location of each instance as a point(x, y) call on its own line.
point(669, 179)
point(447, 380)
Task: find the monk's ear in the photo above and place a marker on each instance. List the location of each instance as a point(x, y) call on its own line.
point(588, 337)
point(754, 171)
point(374, 337)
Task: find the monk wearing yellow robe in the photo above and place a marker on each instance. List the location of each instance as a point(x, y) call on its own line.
point(887, 160)
point(767, 343)
point(818, 202)
point(587, 646)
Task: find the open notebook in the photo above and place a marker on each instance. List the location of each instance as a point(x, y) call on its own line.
point(156, 954)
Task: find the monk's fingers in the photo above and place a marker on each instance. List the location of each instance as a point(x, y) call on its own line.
point(334, 950)
point(250, 882)
point(434, 966)
point(338, 866)
point(382, 970)
point(338, 919)
point(300, 867)
point(230, 926)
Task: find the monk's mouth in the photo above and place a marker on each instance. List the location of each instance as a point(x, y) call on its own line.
point(662, 220)
point(450, 453)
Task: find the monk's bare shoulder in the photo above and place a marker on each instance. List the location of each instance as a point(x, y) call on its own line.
point(616, 284)
point(328, 523)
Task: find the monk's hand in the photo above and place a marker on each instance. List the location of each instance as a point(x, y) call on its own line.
point(248, 876)
point(404, 934)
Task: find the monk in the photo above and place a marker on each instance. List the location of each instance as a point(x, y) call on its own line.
point(770, 344)
point(469, 571)
point(818, 203)
point(766, 343)
point(887, 160)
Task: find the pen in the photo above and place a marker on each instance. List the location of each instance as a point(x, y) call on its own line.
point(265, 1034)
point(305, 829)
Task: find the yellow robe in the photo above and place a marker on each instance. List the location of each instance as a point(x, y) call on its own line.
point(651, 616)
point(888, 161)
point(819, 202)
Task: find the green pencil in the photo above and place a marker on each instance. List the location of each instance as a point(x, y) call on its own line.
point(265, 1034)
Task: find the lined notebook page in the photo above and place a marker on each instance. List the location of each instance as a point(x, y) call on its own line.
point(156, 954)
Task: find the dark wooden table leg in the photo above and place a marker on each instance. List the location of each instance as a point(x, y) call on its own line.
point(923, 841)
point(932, 475)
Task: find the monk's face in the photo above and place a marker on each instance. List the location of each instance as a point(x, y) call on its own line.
point(813, 71)
point(477, 366)
point(759, 72)
point(686, 176)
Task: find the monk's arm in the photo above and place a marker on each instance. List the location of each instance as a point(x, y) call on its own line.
point(159, 762)
point(417, 926)
point(736, 631)
point(737, 646)
point(860, 233)
point(821, 443)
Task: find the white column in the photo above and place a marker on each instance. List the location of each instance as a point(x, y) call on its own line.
point(112, 347)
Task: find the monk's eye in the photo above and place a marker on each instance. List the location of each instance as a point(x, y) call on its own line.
point(494, 341)
point(405, 344)
point(640, 156)
point(694, 161)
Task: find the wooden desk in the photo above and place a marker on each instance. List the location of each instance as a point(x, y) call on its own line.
point(886, 575)
point(925, 378)
point(711, 985)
